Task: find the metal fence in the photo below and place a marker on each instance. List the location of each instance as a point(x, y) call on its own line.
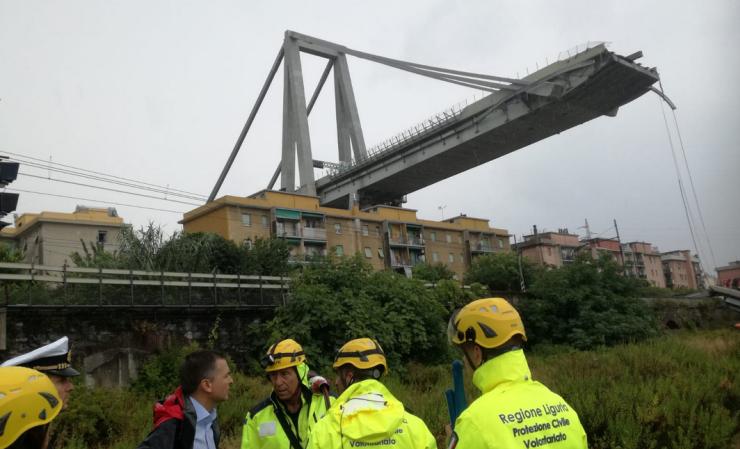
point(30, 285)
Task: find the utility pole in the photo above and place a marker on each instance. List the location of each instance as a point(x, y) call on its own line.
point(621, 251)
point(588, 229)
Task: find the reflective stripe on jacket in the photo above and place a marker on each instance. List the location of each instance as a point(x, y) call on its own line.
point(516, 412)
point(368, 415)
point(263, 430)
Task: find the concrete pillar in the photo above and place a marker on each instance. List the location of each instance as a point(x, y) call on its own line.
point(297, 119)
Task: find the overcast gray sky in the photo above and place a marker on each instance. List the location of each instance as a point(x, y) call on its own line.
point(159, 90)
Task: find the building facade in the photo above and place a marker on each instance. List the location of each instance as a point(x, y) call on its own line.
point(682, 270)
point(729, 276)
point(552, 249)
point(50, 238)
point(598, 246)
point(642, 260)
point(386, 236)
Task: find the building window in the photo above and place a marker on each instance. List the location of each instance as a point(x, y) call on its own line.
point(462, 258)
point(433, 236)
point(102, 237)
point(451, 258)
point(246, 219)
point(549, 251)
point(265, 222)
point(435, 257)
point(380, 253)
point(368, 252)
point(339, 250)
point(448, 237)
point(500, 243)
point(337, 228)
point(365, 231)
point(459, 239)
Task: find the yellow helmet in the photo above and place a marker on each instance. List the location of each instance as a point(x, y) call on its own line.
point(27, 399)
point(362, 353)
point(283, 354)
point(488, 322)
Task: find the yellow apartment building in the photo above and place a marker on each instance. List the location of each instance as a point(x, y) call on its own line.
point(387, 237)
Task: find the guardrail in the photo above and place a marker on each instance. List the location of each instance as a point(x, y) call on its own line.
point(30, 285)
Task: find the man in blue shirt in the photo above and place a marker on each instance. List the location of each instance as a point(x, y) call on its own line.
point(187, 418)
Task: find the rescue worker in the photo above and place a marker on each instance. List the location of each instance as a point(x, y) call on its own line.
point(513, 410)
point(366, 413)
point(29, 401)
point(285, 419)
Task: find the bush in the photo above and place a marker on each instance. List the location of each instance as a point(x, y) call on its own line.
point(160, 373)
point(586, 304)
point(500, 271)
point(432, 272)
point(341, 300)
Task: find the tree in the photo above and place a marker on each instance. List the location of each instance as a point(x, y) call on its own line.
point(500, 271)
point(586, 304)
point(266, 257)
point(432, 272)
point(345, 299)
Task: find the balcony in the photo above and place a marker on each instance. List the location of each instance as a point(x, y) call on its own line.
point(314, 234)
point(407, 241)
point(482, 247)
point(287, 230)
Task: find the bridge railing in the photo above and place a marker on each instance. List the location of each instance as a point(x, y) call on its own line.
point(403, 138)
point(30, 285)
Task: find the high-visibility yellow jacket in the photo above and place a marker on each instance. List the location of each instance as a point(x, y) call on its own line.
point(263, 428)
point(368, 415)
point(516, 412)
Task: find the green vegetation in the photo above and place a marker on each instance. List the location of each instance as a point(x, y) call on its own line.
point(586, 304)
point(148, 249)
point(339, 300)
point(676, 391)
point(500, 271)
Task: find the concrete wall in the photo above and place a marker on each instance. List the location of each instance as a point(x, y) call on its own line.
point(110, 347)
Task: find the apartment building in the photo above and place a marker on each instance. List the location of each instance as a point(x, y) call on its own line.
point(681, 269)
point(553, 249)
point(643, 260)
point(49, 238)
point(388, 237)
point(729, 276)
point(599, 246)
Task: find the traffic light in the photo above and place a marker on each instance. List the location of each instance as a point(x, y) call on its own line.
point(8, 201)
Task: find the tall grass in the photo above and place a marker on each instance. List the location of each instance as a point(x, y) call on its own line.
point(678, 391)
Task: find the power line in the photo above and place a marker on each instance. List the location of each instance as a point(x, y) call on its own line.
point(100, 173)
point(98, 178)
point(108, 189)
point(94, 200)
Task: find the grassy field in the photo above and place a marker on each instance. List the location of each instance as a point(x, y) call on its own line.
point(681, 390)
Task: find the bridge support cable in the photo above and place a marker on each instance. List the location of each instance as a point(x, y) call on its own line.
point(681, 189)
point(693, 189)
point(247, 125)
point(661, 93)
